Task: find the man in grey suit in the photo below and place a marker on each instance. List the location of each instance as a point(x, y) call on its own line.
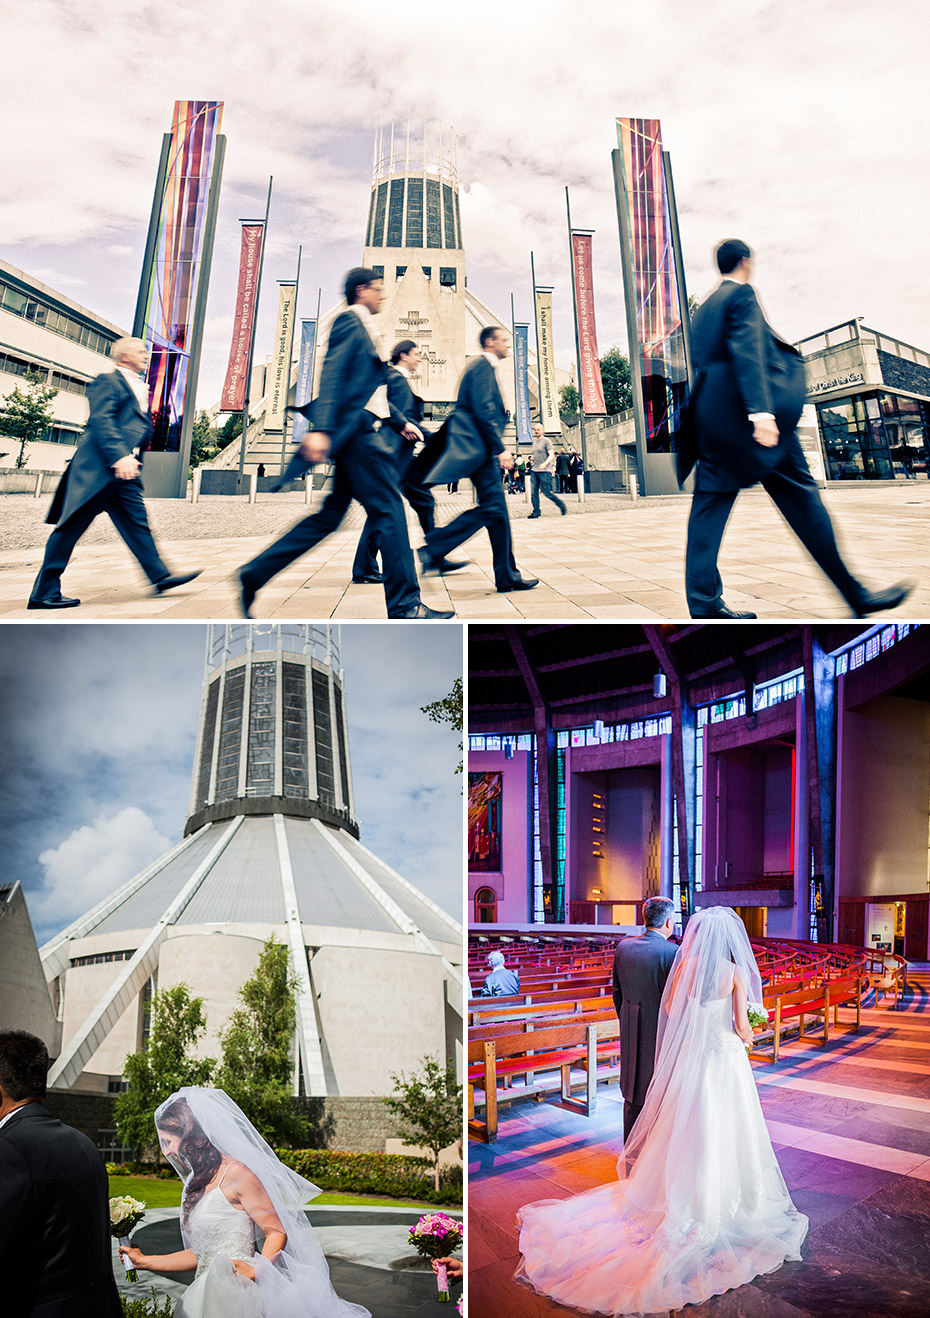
point(641, 967)
point(104, 477)
point(55, 1253)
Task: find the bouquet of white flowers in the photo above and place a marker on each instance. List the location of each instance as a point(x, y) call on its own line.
point(125, 1215)
point(758, 1017)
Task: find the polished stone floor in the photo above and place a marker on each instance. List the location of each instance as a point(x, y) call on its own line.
point(850, 1124)
point(369, 1257)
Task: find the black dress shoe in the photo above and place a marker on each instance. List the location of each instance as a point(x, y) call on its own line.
point(723, 612)
point(421, 611)
point(246, 596)
point(428, 564)
point(370, 579)
point(443, 565)
point(876, 601)
point(176, 579)
point(530, 516)
point(59, 602)
point(521, 583)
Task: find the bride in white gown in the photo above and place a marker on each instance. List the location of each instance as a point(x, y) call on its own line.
point(234, 1186)
point(700, 1204)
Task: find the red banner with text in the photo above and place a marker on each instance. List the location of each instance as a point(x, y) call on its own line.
point(592, 387)
point(233, 398)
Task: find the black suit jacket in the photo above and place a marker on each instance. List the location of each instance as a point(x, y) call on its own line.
point(741, 367)
point(641, 967)
point(473, 433)
point(117, 424)
point(55, 1253)
point(351, 373)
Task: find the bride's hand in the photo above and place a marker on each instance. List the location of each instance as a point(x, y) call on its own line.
point(747, 1036)
point(135, 1256)
point(244, 1269)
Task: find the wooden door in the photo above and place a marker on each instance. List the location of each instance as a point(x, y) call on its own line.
point(851, 924)
point(915, 928)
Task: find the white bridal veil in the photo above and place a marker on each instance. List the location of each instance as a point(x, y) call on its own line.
point(297, 1285)
point(715, 951)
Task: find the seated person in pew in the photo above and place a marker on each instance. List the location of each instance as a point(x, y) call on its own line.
point(501, 982)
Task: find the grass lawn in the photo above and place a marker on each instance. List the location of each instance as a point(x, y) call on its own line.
point(167, 1194)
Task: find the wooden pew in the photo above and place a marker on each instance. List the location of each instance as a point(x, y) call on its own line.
point(557, 1048)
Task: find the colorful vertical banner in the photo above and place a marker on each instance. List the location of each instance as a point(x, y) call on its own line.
point(279, 375)
point(304, 377)
point(250, 260)
point(592, 387)
point(652, 284)
point(178, 266)
point(545, 367)
point(521, 355)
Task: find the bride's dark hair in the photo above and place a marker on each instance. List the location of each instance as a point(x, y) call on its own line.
point(200, 1154)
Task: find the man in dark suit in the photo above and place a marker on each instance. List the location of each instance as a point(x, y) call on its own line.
point(347, 417)
point(748, 393)
point(405, 421)
point(474, 448)
point(103, 477)
point(641, 967)
point(55, 1252)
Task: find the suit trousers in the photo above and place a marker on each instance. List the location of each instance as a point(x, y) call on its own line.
point(491, 512)
point(422, 503)
point(123, 502)
point(630, 1112)
point(365, 469)
point(795, 494)
point(541, 483)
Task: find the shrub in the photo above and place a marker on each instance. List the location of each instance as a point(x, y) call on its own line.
point(394, 1174)
point(153, 1308)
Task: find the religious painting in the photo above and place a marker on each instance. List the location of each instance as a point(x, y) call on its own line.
point(484, 821)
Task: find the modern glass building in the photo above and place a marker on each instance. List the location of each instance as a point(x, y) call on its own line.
point(872, 397)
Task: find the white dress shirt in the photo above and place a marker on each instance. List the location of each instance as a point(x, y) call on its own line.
point(4, 1120)
point(137, 385)
point(378, 402)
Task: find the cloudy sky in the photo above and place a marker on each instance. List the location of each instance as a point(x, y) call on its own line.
point(800, 127)
point(100, 723)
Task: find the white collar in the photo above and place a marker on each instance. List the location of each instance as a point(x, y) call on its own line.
point(402, 370)
point(492, 358)
point(32, 1103)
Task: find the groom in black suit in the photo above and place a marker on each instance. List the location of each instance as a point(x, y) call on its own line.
point(474, 449)
point(104, 477)
point(641, 967)
point(746, 401)
point(347, 417)
point(55, 1252)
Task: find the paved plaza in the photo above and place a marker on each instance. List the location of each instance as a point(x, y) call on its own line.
point(370, 1259)
point(607, 558)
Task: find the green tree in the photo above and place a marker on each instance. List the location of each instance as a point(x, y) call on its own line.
point(257, 1065)
point(615, 372)
point(448, 710)
point(27, 413)
point(430, 1109)
point(231, 430)
point(178, 1021)
point(204, 441)
point(568, 401)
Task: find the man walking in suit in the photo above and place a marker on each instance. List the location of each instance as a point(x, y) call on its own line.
point(55, 1253)
point(405, 420)
point(103, 477)
point(474, 448)
point(543, 456)
point(641, 967)
point(347, 418)
point(747, 398)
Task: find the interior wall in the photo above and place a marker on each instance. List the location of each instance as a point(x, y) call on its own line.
point(883, 798)
point(511, 883)
point(633, 832)
point(585, 870)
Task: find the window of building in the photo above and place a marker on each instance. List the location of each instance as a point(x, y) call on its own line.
point(395, 224)
point(260, 755)
point(399, 271)
point(294, 714)
point(433, 221)
point(427, 270)
point(377, 239)
point(448, 216)
point(447, 276)
point(34, 309)
point(378, 271)
point(414, 233)
point(485, 906)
